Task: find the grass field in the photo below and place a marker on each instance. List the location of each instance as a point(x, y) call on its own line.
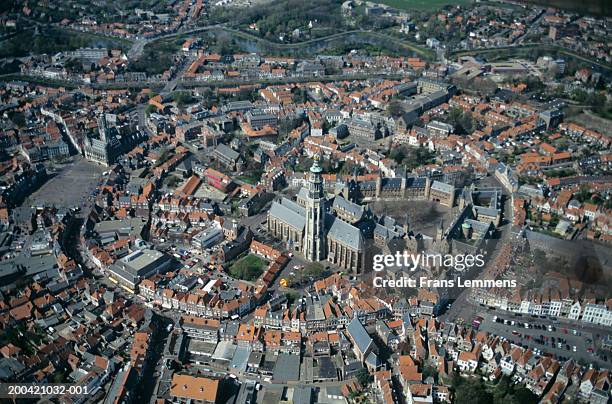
point(248, 268)
point(423, 5)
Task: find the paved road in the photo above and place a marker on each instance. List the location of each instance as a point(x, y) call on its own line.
point(531, 28)
point(142, 119)
point(266, 81)
point(200, 83)
point(136, 50)
point(144, 391)
point(171, 85)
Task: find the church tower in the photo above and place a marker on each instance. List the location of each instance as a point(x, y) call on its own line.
point(379, 179)
point(102, 128)
point(314, 236)
point(440, 231)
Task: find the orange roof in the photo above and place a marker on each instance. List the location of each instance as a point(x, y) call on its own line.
point(247, 332)
point(21, 312)
point(410, 373)
point(190, 186)
point(548, 148)
point(273, 337)
point(562, 156)
point(200, 321)
point(195, 388)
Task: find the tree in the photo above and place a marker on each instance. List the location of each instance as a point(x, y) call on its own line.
point(299, 96)
point(173, 181)
point(484, 86)
point(364, 377)
point(394, 108)
point(502, 388)
point(292, 297)
point(472, 391)
point(248, 268)
point(150, 109)
point(224, 44)
point(596, 99)
point(18, 118)
point(462, 121)
point(398, 155)
point(428, 371)
point(559, 91)
point(523, 395)
point(419, 156)
point(181, 98)
point(580, 96)
point(534, 83)
point(59, 377)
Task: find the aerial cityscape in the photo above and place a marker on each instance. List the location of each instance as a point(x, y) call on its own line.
point(288, 201)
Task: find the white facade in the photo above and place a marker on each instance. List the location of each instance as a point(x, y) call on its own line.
point(575, 310)
point(597, 314)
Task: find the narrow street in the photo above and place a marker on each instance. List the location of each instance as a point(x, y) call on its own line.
point(146, 388)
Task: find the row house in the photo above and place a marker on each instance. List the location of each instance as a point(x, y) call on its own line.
point(285, 342)
point(369, 310)
point(468, 361)
point(508, 362)
point(203, 329)
point(599, 314)
point(250, 336)
point(384, 386)
point(542, 374)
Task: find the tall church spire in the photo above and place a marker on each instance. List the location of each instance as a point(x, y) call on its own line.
point(314, 237)
point(315, 183)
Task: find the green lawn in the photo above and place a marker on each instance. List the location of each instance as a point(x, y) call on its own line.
point(251, 177)
point(424, 5)
point(248, 268)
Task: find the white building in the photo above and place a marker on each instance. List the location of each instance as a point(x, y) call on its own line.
point(575, 310)
point(597, 314)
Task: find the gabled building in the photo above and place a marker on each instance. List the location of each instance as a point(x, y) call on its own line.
point(363, 345)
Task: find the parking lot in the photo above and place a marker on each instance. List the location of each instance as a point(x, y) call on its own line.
point(544, 335)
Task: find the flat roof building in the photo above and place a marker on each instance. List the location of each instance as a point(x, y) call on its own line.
point(138, 265)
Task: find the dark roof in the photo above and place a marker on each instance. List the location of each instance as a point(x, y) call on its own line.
point(359, 335)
